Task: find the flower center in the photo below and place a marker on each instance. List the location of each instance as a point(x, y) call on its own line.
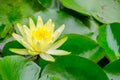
point(41, 33)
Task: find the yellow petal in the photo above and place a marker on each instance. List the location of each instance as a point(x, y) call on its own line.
point(39, 22)
point(48, 24)
point(21, 29)
point(19, 51)
point(46, 47)
point(27, 32)
point(17, 37)
point(47, 57)
point(39, 45)
point(31, 24)
point(20, 39)
point(26, 29)
point(52, 28)
point(32, 53)
point(58, 32)
point(27, 35)
point(58, 43)
point(25, 44)
point(58, 52)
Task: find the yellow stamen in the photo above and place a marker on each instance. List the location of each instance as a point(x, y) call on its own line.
point(41, 33)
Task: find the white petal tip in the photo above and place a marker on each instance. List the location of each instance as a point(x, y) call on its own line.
point(30, 20)
point(63, 26)
point(39, 18)
point(53, 60)
point(50, 20)
point(47, 57)
point(68, 53)
point(18, 24)
point(19, 51)
point(13, 34)
point(58, 52)
point(16, 36)
point(65, 38)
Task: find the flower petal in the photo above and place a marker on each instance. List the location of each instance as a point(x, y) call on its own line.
point(17, 37)
point(58, 32)
point(20, 40)
point(58, 43)
point(52, 28)
point(27, 36)
point(25, 44)
point(21, 29)
point(19, 51)
point(48, 24)
point(58, 52)
point(27, 30)
point(39, 22)
point(32, 53)
point(47, 57)
point(31, 24)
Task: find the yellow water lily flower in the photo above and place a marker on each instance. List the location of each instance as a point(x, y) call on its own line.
point(40, 39)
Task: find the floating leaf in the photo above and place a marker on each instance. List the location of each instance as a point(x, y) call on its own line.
point(52, 4)
point(18, 68)
point(106, 11)
point(83, 46)
point(72, 68)
point(109, 39)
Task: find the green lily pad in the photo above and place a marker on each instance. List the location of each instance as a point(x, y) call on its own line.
point(52, 4)
point(73, 68)
point(106, 11)
point(18, 68)
point(83, 46)
point(109, 39)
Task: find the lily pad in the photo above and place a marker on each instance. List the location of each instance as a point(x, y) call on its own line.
point(83, 46)
point(51, 4)
point(109, 39)
point(73, 68)
point(106, 11)
point(18, 68)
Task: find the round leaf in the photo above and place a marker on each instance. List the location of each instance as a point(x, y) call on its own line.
point(106, 11)
point(53, 4)
point(82, 6)
point(109, 39)
point(18, 68)
point(83, 46)
point(73, 68)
